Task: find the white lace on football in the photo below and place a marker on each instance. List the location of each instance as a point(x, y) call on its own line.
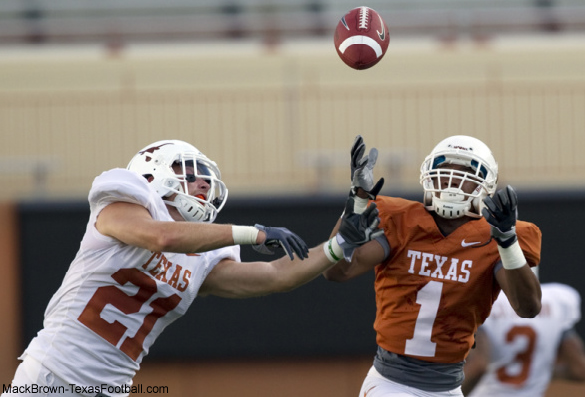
point(363, 17)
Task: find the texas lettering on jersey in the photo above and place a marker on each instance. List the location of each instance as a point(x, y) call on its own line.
point(167, 272)
point(423, 264)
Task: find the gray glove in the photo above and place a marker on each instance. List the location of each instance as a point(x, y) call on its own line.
point(362, 169)
point(284, 238)
point(501, 212)
point(357, 229)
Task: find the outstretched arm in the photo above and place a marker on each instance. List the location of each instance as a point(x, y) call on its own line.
point(516, 279)
point(366, 257)
point(231, 279)
point(132, 224)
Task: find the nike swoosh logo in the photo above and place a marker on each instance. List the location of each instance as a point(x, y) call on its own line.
point(466, 244)
point(382, 35)
point(344, 23)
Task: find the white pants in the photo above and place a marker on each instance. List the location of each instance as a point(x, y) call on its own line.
point(35, 380)
point(375, 385)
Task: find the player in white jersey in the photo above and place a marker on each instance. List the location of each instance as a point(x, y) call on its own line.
point(518, 356)
point(149, 249)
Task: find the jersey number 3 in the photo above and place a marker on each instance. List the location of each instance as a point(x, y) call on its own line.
point(127, 304)
point(523, 357)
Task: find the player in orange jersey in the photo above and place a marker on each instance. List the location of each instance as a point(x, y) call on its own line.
point(440, 267)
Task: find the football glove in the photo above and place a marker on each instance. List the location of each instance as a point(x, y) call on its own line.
point(357, 229)
point(362, 169)
point(283, 238)
point(501, 212)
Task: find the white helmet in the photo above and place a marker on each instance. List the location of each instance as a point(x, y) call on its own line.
point(155, 162)
point(450, 201)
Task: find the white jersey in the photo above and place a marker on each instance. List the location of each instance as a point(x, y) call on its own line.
point(116, 299)
point(524, 350)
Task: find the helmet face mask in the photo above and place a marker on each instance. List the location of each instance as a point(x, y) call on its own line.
point(458, 174)
point(170, 166)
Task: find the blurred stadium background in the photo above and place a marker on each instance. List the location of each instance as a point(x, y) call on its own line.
point(257, 86)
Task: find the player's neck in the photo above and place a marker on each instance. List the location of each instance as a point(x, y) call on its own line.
point(448, 226)
point(174, 213)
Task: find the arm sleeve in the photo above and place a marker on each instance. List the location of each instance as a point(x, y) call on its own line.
point(530, 239)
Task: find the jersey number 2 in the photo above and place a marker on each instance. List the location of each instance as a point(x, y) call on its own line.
point(127, 304)
point(428, 297)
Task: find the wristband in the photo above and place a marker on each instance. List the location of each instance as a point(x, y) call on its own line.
point(332, 250)
point(359, 204)
point(244, 234)
point(512, 257)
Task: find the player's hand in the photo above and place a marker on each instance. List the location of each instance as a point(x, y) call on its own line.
point(358, 229)
point(362, 169)
point(283, 238)
point(501, 212)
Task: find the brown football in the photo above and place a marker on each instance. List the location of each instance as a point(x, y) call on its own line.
point(361, 38)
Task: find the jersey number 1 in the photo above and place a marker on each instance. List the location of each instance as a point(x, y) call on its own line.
point(127, 304)
point(428, 297)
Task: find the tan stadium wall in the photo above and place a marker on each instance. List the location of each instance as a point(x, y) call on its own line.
point(281, 120)
point(271, 118)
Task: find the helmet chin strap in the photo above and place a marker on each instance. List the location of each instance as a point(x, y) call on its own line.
point(189, 207)
point(451, 204)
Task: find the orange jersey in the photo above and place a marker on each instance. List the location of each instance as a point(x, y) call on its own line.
point(434, 291)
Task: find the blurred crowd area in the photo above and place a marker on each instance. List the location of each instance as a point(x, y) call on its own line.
point(258, 87)
point(118, 22)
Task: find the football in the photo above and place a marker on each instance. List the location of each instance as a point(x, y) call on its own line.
point(361, 38)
